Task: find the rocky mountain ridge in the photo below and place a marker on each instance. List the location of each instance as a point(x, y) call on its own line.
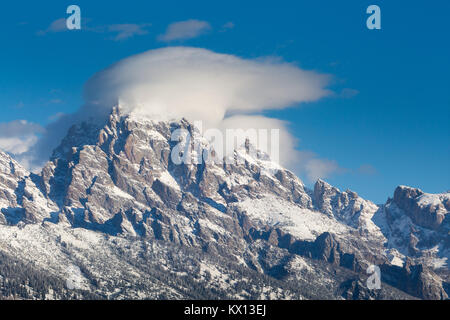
point(111, 194)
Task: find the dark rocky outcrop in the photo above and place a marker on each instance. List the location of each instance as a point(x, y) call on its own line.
point(430, 216)
point(415, 279)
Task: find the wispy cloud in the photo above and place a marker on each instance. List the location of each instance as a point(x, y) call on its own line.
point(58, 25)
point(56, 116)
point(348, 93)
point(367, 169)
point(121, 31)
point(314, 167)
point(17, 137)
point(227, 26)
point(183, 30)
point(56, 101)
point(321, 168)
point(128, 30)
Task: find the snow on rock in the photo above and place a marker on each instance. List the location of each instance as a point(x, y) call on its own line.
point(112, 189)
point(305, 224)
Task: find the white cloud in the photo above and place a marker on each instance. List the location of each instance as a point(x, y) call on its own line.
point(122, 31)
point(200, 85)
point(348, 93)
point(128, 30)
point(286, 143)
point(17, 145)
point(182, 30)
point(56, 116)
point(367, 169)
point(58, 25)
point(227, 26)
point(219, 89)
point(17, 137)
point(303, 163)
point(316, 168)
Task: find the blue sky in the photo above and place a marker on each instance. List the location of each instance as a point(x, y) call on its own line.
point(387, 123)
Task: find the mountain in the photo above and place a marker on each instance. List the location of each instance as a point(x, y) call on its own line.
point(112, 216)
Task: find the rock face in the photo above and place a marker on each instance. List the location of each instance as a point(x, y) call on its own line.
point(126, 165)
point(20, 198)
point(327, 248)
point(415, 279)
point(346, 207)
point(424, 209)
point(248, 219)
point(11, 174)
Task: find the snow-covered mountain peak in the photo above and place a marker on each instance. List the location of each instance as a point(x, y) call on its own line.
point(346, 206)
point(120, 179)
point(10, 166)
point(424, 209)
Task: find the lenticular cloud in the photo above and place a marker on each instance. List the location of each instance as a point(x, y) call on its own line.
point(201, 85)
point(194, 83)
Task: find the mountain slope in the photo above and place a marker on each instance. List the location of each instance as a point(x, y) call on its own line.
point(112, 205)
